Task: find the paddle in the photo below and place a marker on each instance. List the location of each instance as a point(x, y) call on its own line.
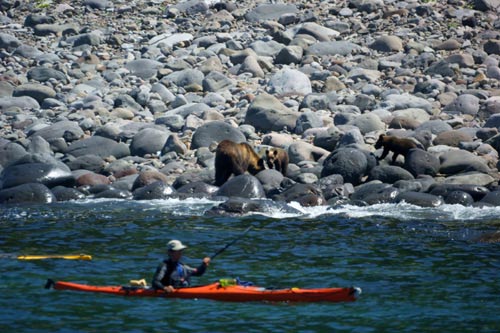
point(56, 256)
point(231, 243)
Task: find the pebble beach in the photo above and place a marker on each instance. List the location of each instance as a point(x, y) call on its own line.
point(129, 99)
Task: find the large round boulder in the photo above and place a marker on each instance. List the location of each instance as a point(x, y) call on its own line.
point(375, 193)
point(148, 141)
point(155, 190)
point(99, 146)
point(419, 162)
point(44, 173)
point(266, 113)
point(350, 163)
point(243, 186)
point(389, 174)
point(27, 193)
point(215, 131)
point(419, 199)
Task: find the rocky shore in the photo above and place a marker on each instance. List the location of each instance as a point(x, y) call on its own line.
point(129, 99)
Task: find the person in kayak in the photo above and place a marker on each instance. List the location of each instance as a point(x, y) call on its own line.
point(172, 273)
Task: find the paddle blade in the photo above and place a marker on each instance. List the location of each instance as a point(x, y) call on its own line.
point(56, 256)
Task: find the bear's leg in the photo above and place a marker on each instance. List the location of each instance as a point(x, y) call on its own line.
point(384, 153)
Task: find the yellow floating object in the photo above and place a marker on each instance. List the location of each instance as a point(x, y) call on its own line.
point(56, 256)
point(138, 283)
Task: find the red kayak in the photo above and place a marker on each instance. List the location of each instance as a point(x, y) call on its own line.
point(230, 293)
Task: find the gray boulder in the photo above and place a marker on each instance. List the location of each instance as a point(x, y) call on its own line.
point(443, 190)
point(37, 91)
point(27, 193)
point(243, 186)
point(419, 199)
point(459, 198)
point(48, 174)
point(302, 151)
point(10, 153)
point(265, 12)
point(100, 146)
point(144, 68)
point(375, 193)
point(350, 163)
point(456, 161)
point(156, 190)
point(290, 82)
point(266, 113)
point(69, 130)
point(23, 102)
point(389, 174)
point(419, 162)
point(215, 131)
point(148, 141)
point(63, 193)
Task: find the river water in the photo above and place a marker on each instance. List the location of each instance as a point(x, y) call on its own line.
point(420, 269)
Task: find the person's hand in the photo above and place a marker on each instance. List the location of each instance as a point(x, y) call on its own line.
point(168, 289)
point(206, 261)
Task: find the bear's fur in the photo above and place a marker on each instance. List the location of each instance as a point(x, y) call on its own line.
point(277, 158)
point(235, 158)
point(399, 146)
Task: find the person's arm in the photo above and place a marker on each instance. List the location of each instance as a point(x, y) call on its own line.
point(202, 268)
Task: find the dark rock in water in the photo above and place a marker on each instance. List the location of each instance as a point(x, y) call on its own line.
point(419, 199)
point(350, 163)
point(198, 189)
point(375, 193)
point(270, 179)
point(114, 193)
point(492, 198)
point(389, 174)
point(305, 193)
point(99, 146)
point(328, 185)
point(63, 193)
point(490, 237)
point(191, 176)
point(10, 153)
point(243, 186)
point(156, 190)
point(459, 198)
point(94, 189)
point(215, 131)
point(477, 192)
point(27, 193)
point(239, 206)
point(48, 174)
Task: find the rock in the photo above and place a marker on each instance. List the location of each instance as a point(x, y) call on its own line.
point(114, 193)
point(266, 113)
point(10, 153)
point(452, 138)
point(23, 102)
point(270, 179)
point(148, 177)
point(264, 12)
point(148, 141)
point(198, 189)
point(387, 44)
point(350, 163)
point(419, 199)
point(215, 81)
point(89, 162)
point(31, 193)
point(491, 198)
point(443, 190)
point(69, 130)
point(243, 186)
point(9, 42)
point(49, 175)
point(463, 104)
point(367, 122)
point(99, 146)
point(341, 48)
point(456, 161)
point(291, 54)
point(144, 68)
point(240, 206)
point(215, 131)
point(174, 144)
point(289, 82)
point(419, 162)
point(389, 174)
point(459, 198)
point(251, 65)
point(375, 193)
point(63, 193)
point(303, 151)
point(155, 190)
point(92, 179)
point(307, 194)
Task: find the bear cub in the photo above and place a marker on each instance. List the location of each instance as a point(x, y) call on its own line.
point(277, 158)
point(399, 146)
point(235, 158)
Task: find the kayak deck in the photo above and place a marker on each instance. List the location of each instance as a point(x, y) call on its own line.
point(214, 291)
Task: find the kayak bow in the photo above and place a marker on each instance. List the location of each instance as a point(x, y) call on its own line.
point(214, 291)
point(56, 256)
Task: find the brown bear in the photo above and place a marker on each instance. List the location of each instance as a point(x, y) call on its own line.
point(235, 158)
point(395, 144)
point(277, 158)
